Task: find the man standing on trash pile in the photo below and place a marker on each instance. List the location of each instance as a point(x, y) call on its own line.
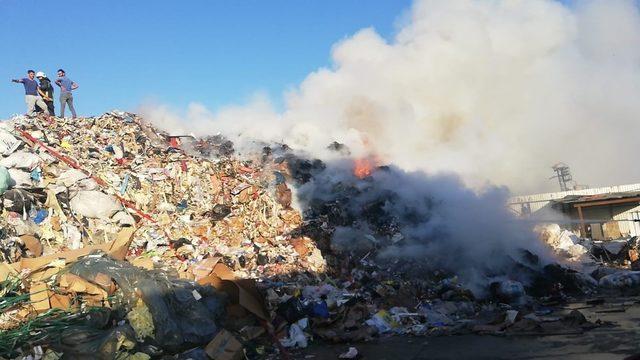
point(46, 91)
point(66, 87)
point(32, 98)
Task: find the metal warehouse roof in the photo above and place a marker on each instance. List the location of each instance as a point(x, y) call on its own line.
point(601, 199)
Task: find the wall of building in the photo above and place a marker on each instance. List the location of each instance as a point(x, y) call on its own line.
point(539, 201)
point(540, 205)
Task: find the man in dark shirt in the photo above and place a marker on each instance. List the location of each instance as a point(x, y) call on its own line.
point(46, 91)
point(31, 97)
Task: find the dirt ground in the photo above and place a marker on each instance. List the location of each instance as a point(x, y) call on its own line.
point(615, 341)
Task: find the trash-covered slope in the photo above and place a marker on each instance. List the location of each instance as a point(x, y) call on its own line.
point(180, 202)
point(114, 185)
point(182, 247)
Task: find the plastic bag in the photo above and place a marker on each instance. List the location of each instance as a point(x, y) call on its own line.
point(21, 160)
point(434, 317)
point(508, 291)
point(72, 236)
point(18, 200)
point(5, 179)
point(181, 319)
point(292, 310)
point(8, 143)
point(89, 343)
point(621, 280)
point(296, 338)
point(69, 177)
point(94, 204)
point(20, 178)
point(41, 215)
point(382, 321)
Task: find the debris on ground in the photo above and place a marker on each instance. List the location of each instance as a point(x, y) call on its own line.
point(120, 241)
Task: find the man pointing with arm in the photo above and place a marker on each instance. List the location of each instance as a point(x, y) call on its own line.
point(31, 96)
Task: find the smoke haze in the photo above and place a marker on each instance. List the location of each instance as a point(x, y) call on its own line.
point(428, 219)
point(468, 94)
point(495, 91)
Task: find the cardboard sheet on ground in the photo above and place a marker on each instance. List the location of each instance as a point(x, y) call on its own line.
point(6, 270)
point(39, 297)
point(241, 291)
point(224, 347)
point(117, 249)
point(76, 284)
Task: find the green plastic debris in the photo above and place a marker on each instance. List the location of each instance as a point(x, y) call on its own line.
point(136, 356)
point(141, 320)
point(51, 355)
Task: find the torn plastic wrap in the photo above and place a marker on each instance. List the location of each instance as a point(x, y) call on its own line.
point(184, 314)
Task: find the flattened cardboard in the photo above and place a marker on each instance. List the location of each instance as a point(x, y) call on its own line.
point(105, 282)
point(59, 301)
point(205, 267)
point(117, 249)
point(6, 271)
point(224, 346)
point(76, 284)
point(44, 274)
point(39, 297)
point(142, 262)
point(241, 291)
point(33, 244)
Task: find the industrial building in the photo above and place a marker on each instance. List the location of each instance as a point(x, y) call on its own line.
point(599, 213)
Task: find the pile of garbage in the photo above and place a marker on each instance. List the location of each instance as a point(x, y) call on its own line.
point(622, 253)
point(564, 242)
point(107, 214)
point(121, 241)
point(614, 264)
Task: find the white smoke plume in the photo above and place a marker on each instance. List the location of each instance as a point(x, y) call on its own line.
point(433, 220)
point(493, 90)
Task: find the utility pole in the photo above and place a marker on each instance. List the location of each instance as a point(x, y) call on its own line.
point(563, 174)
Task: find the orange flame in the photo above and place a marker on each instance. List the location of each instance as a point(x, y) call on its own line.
point(363, 167)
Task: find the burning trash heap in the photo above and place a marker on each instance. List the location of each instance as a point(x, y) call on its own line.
point(118, 242)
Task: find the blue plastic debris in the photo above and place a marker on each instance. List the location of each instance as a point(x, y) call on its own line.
point(40, 216)
point(125, 184)
point(279, 178)
point(182, 205)
point(321, 310)
point(36, 174)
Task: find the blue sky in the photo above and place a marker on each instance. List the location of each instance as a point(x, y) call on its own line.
point(215, 52)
